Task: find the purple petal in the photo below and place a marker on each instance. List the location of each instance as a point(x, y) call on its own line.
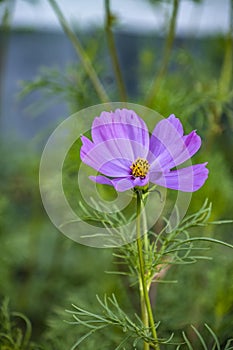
point(122, 123)
point(192, 144)
point(87, 145)
point(112, 157)
point(178, 153)
point(123, 185)
point(128, 183)
point(120, 184)
point(188, 179)
point(169, 146)
point(140, 182)
point(102, 180)
point(165, 135)
point(176, 123)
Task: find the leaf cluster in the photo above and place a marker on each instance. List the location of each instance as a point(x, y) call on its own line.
point(15, 330)
point(133, 330)
point(168, 248)
point(113, 315)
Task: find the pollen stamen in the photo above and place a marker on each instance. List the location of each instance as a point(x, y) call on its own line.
point(140, 168)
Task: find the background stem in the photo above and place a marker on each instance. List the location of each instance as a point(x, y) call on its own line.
point(81, 54)
point(113, 51)
point(226, 71)
point(165, 58)
point(5, 27)
point(224, 86)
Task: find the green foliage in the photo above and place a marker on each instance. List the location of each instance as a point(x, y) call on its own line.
point(166, 248)
point(113, 316)
point(15, 330)
point(215, 341)
point(133, 331)
point(71, 83)
point(164, 251)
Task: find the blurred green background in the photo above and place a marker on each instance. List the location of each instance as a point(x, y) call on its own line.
point(42, 82)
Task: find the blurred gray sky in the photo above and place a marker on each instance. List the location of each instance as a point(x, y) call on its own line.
point(209, 17)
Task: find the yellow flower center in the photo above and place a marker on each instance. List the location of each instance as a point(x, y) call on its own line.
point(140, 168)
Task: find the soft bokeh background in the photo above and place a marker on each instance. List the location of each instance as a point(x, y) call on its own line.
point(42, 82)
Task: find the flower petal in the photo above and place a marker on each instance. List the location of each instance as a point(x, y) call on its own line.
point(103, 180)
point(176, 123)
point(120, 184)
point(128, 183)
point(113, 157)
point(165, 135)
point(122, 123)
point(123, 185)
point(141, 182)
point(181, 151)
point(188, 179)
point(192, 143)
point(169, 146)
point(87, 145)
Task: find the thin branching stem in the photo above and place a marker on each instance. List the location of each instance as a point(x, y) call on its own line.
point(113, 51)
point(227, 66)
point(206, 239)
point(165, 58)
point(81, 53)
point(224, 85)
point(144, 293)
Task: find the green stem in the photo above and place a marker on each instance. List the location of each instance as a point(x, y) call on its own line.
point(81, 54)
point(224, 85)
point(5, 26)
point(113, 51)
point(226, 71)
point(144, 313)
point(166, 57)
point(147, 315)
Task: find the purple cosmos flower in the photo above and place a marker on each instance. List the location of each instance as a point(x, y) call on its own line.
point(126, 155)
